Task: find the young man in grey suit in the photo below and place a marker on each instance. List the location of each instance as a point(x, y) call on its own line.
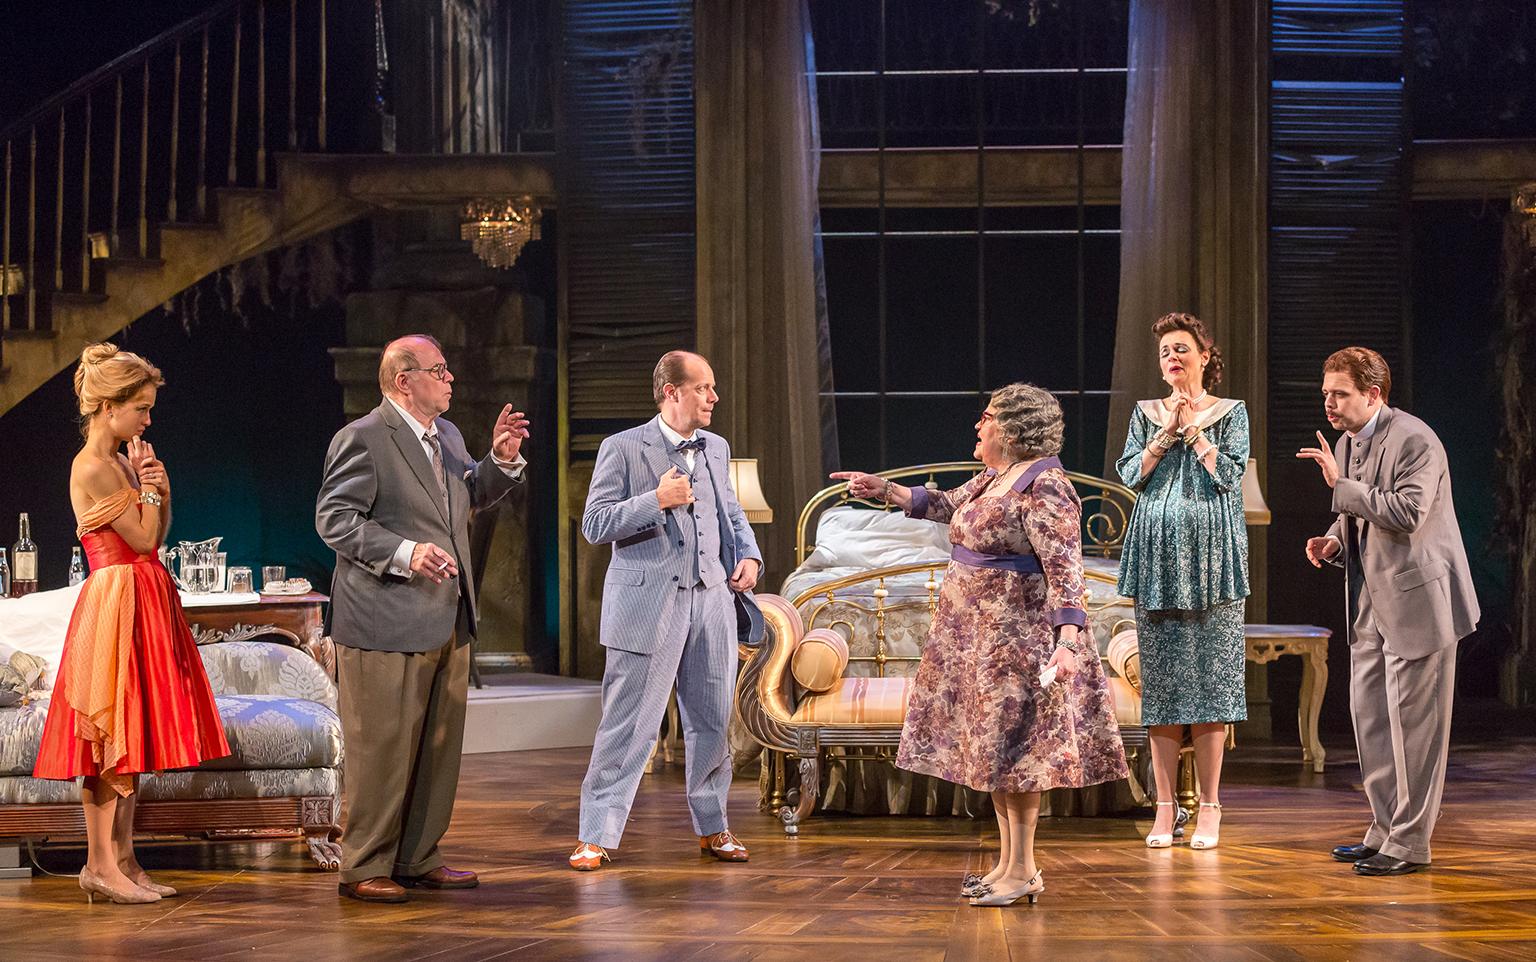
point(684, 563)
point(394, 505)
point(1409, 599)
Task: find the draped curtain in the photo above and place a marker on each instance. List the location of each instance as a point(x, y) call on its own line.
point(761, 303)
point(1192, 198)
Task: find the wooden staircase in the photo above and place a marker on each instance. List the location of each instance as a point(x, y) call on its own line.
point(312, 194)
point(205, 146)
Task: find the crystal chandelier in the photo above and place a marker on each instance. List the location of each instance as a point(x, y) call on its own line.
point(498, 229)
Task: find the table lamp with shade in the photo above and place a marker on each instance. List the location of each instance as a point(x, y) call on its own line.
point(749, 491)
point(1255, 511)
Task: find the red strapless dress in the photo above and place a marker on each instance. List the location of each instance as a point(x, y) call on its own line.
point(131, 694)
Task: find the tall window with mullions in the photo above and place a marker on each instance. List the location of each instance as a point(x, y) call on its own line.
point(970, 171)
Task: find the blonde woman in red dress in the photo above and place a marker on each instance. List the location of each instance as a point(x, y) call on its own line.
point(131, 694)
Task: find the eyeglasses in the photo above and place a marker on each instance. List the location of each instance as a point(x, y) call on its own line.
point(439, 371)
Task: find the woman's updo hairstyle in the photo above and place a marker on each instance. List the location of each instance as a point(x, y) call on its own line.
point(1195, 328)
point(108, 375)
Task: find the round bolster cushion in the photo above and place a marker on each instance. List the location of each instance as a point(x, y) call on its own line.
point(819, 660)
point(1124, 655)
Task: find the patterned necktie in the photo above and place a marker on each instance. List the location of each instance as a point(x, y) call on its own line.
point(438, 469)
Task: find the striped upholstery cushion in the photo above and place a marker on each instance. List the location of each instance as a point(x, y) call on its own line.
point(820, 659)
point(858, 701)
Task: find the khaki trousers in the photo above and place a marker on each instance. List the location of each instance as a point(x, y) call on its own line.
point(402, 715)
point(1402, 713)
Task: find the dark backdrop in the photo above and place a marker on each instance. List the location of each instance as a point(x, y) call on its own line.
point(242, 424)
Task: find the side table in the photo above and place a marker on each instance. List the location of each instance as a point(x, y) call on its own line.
point(1265, 643)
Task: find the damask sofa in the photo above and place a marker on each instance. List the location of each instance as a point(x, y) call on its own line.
point(278, 705)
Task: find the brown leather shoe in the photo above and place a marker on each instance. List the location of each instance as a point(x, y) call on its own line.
point(588, 857)
point(724, 846)
point(441, 877)
point(378, 889)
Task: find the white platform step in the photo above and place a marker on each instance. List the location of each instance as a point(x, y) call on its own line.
point(520, 711)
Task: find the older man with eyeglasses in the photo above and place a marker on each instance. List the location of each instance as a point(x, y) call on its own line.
point(395, 502)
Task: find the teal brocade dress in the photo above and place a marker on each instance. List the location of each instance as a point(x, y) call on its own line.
point(1185, 562)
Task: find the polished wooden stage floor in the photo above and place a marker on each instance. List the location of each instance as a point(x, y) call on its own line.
point(848, 888)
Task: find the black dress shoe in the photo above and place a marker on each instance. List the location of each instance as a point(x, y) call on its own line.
point(1353, 853)
point(1380, 864)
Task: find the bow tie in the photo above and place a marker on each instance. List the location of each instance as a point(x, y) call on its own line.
point(697, 444)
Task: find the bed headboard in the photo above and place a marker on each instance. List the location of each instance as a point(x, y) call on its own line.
point(1106, 504)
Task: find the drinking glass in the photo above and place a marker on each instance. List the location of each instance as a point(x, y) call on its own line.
point(239, 580)
point(271, 574)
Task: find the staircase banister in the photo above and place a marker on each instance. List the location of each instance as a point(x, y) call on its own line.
point(101, 75)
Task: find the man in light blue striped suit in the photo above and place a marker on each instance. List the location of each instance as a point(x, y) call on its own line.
point(684, 565)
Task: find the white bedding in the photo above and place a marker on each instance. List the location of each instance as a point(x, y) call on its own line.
point(36, 624)
point(852, 541)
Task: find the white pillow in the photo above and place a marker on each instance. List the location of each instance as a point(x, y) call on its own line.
point(37, 624)
point(864, 538)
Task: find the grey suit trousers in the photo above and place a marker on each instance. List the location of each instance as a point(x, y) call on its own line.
point(698, 652)
point(1402, 713)
point(402, 714)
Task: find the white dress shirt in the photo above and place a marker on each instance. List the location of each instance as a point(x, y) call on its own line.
point(674, 439)
point(400, 564)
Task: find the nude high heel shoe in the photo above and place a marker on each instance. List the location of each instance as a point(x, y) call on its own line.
point(1161, 839)
point(95, 885)
point(1202, 841)
point(145, 882)
point(1029, 890)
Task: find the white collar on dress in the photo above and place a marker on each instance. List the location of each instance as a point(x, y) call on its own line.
point(1158, 415)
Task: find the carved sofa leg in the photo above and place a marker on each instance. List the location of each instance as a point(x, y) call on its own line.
point(810, 784)
point(321, 831)
point(323, 849)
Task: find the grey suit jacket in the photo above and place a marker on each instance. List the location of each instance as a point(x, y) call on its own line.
point(379, 489)
point(1410, 545)
point(647, 562)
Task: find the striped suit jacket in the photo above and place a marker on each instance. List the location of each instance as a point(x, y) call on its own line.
point(647, 562)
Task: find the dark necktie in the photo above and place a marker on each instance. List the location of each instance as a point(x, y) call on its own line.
point(697, 444)
point(438, 469)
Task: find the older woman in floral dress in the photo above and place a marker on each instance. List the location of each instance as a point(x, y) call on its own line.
point(984, 710)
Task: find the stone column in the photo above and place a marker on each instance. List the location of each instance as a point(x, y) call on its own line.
point(484, 320)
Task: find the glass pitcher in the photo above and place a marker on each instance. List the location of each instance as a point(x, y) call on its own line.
point(198, 566)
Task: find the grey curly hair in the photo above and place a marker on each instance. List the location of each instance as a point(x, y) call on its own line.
point(1029, 420)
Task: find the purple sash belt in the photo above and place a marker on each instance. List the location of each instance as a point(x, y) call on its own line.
point(1028, 564)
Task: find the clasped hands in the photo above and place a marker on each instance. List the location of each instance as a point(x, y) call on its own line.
point(149, 469)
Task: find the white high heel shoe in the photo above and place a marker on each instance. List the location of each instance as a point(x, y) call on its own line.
point(1207, 841)
point(1161, 839)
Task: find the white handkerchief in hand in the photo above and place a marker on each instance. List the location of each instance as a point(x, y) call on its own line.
point(1048, 677)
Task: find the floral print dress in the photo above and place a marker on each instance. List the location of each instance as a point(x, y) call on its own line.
point(977, 715)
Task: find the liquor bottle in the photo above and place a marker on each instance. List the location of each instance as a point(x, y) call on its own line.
point(5, 576)
point(24, 561)
point(76, 567)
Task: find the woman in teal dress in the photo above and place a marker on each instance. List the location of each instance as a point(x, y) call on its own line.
point(1185, 563)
